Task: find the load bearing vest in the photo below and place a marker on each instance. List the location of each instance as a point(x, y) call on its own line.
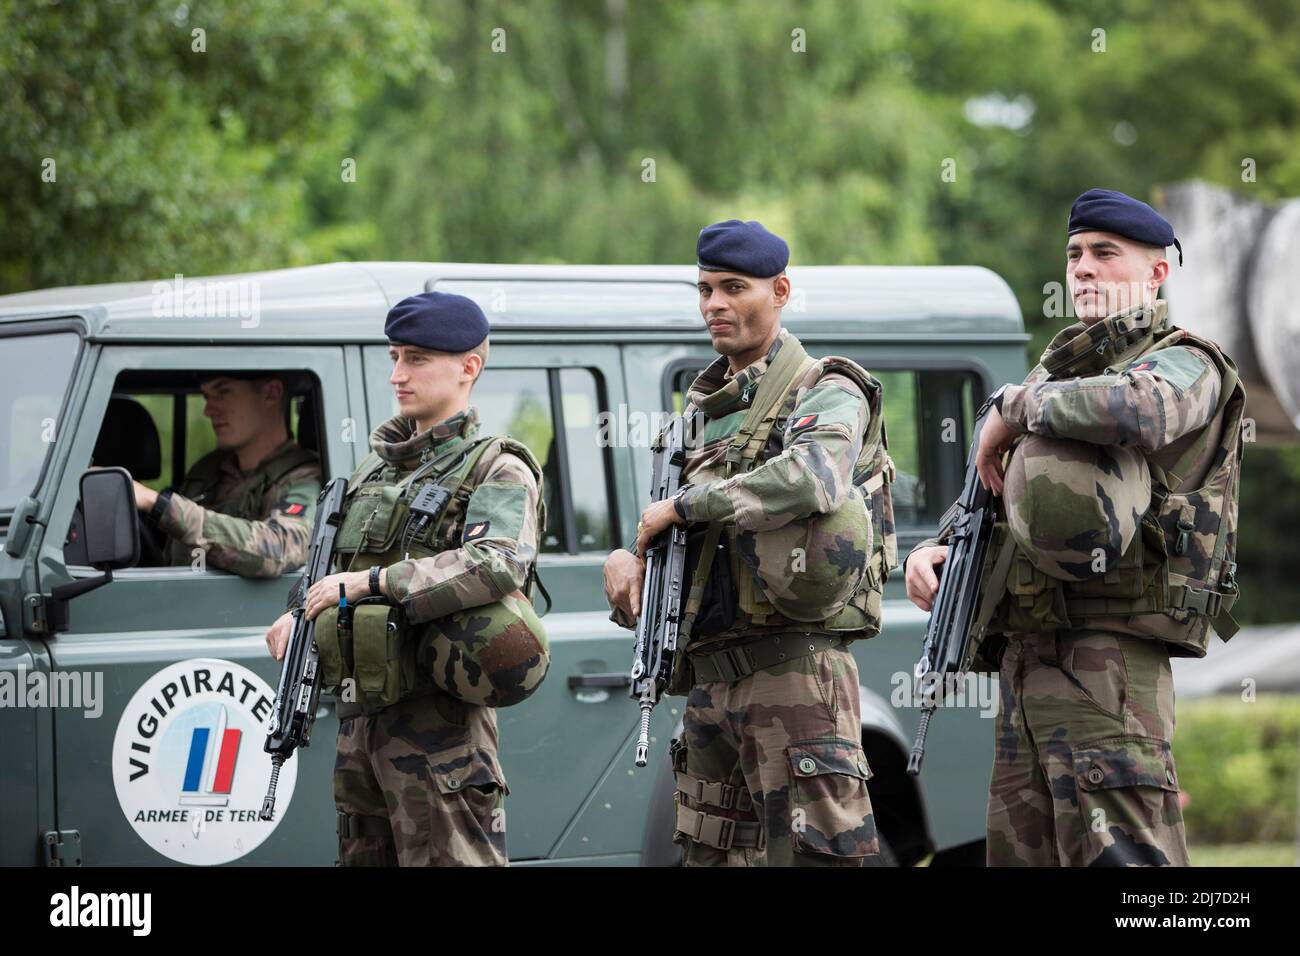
point(495, 655)
point(1182, 563)
point(781, 576)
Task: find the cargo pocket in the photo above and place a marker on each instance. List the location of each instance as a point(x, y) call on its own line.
point(830, 809)
point(467, 817)
point(1128, 801)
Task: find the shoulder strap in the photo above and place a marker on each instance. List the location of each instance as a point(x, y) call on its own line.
point(369, 465)
point(790, 365)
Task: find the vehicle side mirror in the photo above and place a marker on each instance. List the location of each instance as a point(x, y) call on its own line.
point(112, 524)
point(111, 532)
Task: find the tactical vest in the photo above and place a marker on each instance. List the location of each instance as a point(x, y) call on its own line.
point(247, 499)
point(1178, 574)
point(784, 577)
point(389, 659)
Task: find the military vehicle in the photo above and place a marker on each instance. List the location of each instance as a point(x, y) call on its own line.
point(164, 762)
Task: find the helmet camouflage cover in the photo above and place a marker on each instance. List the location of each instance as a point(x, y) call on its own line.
point(1074, 507)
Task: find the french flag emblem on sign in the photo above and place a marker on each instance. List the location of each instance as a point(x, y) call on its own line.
point(210, 769)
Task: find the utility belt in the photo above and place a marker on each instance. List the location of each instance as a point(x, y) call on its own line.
point(732, 662)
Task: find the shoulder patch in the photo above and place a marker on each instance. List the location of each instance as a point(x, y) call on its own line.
point(478, 529)
point(292, 509)
point(1180, 367)
point(802, 422)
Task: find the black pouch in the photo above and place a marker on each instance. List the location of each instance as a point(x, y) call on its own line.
point(718, 604)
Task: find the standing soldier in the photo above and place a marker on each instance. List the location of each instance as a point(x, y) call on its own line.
point(785, 471)
point(248, 505)
point(1116, 551)
point(436, 547)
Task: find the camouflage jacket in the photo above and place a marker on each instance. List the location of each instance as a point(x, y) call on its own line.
point(805, 469)
point(1149, 402)
point(497, 534)
point(255, 524)
point(1113, 383)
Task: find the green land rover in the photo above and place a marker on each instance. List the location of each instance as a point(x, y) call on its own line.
point(132, 702)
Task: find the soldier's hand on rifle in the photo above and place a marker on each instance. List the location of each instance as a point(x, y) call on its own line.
point(325, 592)
point(922, 582)
point(624, 573)
point(277, 635)
point(657, 516)
point(995, 439)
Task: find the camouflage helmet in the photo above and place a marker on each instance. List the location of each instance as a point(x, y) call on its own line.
point(1073, 507)
point(495, 655)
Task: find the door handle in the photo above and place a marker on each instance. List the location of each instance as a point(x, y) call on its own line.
point(599, 680)
point(595, 688)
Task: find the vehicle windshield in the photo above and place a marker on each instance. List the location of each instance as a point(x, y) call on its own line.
point(32, 387)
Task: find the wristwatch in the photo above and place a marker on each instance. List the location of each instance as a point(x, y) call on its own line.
point(374, 581)
point(160, 505)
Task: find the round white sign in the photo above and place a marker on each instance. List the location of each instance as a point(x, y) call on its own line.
point(189, 765)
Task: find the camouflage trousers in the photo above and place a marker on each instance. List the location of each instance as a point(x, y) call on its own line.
point(772, 771)
point(418, 784)
point(1082, 771)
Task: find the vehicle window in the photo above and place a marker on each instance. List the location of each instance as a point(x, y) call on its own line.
point(37, 370)
point(525, 405)
point(588, 474)
point(928, 417)
point(156, 428)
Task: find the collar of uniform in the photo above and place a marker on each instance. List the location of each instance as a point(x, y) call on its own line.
point(1089, 349)
point(717, 391)
point(230, 460)
point(396, 441)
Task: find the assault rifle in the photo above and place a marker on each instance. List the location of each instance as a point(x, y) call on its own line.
point(298, 692)
point(661, 590)
point(949, 635)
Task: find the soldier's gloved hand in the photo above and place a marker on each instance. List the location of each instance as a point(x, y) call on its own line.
point(277, 635)
point(624, 572)
point(922, 582)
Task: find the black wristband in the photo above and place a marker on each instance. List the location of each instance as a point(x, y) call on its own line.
point(374, 581)
point(160, 505)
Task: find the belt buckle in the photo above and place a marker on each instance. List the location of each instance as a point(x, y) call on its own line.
point(726, 662)
point(726, 832)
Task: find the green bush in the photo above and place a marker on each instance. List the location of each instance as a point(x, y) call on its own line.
point(1237, 763)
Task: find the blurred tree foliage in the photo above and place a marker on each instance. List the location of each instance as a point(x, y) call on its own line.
point(611, 130)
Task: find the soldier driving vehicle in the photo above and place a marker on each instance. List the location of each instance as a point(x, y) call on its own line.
point(247, 505)
point(427, 626)
point(784, 483)
point(1114, 549)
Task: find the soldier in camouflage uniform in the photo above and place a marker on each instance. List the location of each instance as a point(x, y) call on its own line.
point(248, 505)
point(417, 781)
point(1115, 552)
point(770, 769)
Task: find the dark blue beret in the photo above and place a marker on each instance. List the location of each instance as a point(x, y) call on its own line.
point(437, 320)
point(746, 247)
point(1105, 210)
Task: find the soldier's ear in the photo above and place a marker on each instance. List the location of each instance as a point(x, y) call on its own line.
point(1159, 272)
point(781, 290)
